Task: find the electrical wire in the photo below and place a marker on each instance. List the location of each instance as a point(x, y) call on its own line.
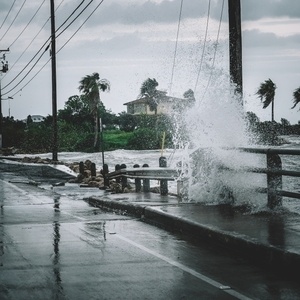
point(13, 21)
point(26, 73)
point(41, 49)
point(27, 24)
point(8, 14)
point(215, 52)
point(80, 26)
point(28, 63)
point(31, 78)
point(75, 18)
point(176, 44)
point(11, 67)
point(70, 16)
point(28, 46)
point(88, 17)
point(204, 45)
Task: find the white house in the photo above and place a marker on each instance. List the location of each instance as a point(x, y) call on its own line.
point(165, 105)
point(35, 119)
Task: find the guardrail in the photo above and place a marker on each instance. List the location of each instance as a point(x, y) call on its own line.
point(145, 174)
point(274, 174)
point(273, 171)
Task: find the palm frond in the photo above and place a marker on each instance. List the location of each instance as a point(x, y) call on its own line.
point(296, 97)
point(266, 92)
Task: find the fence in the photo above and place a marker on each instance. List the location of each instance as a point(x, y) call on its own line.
point(273, 171)
point(145, 174)
point(274, 174)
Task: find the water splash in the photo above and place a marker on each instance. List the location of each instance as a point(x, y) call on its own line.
point(208, 135)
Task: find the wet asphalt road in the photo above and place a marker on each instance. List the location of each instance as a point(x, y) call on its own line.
point(53, 245)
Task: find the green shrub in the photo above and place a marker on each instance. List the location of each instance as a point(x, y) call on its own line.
point(116, 139)
point(143, 139)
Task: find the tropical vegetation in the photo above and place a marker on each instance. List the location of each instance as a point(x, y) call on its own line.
point(78, 123)
point(296, 97)
point(90, 86)
point(150, 92)
point(266, 92)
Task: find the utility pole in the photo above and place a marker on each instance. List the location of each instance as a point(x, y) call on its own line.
point(54, 93)
point(4, 69)
point(235, 47)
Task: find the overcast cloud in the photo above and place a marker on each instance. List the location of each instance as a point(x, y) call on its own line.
point(127, 41)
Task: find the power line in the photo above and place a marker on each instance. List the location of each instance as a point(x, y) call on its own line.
point(215, 52)
point(75, 18)
point(38, 58)
point(56, 52)
point(80, 26)
point(27, 23)
point(28, 45)
point(45, 50)
point(27, 72)
point(30, 62)
point(204, 45)
point(33, 40)
point(70, 15)
point(8, 13)
point(175, 51)
point(13, 21)
point(31, 78)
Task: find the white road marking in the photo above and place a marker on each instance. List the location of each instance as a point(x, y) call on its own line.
point(14, 187)
point(202, 277)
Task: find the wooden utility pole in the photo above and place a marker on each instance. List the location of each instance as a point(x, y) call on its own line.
point(54, 93)
point(1, 120)
point(235, 47)
point(3, 69)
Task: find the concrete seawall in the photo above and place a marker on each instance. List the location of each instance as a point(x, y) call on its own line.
point(37, 170)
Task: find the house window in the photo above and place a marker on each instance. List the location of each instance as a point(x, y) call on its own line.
point(140, 108)
point(130, 109)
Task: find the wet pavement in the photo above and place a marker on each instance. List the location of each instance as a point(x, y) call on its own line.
point(54, 245)
point(271, 239)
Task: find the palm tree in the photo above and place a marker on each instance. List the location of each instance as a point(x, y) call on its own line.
point(266, 93)
point(90, 86)
point(296, 96)
point(149, 91)
point(190, 96)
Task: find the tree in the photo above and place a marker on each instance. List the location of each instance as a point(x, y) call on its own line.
point(127, 122)
point(90, 86)
point(296, 97)
point(190, 97)
point(189, 94)
point(252, 118)
point(29, 120)
point(149, 91)
point(76, 104)
point(266, 93)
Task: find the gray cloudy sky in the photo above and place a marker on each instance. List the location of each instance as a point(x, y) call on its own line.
point(127, 41)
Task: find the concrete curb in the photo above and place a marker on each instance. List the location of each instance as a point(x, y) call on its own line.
point(243, 245)
point(267, 255)
point(120, 207)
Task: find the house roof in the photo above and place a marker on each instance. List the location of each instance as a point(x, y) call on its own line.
point(141, 100)
point(163, 98)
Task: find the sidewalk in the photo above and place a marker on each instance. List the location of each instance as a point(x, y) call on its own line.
point(272, 240)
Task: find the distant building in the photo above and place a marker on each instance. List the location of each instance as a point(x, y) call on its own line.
point(165, 105)
point(35, 119)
